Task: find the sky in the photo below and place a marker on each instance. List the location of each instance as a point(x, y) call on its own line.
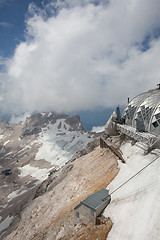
point(70, 55)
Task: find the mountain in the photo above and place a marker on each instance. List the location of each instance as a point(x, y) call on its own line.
point(29, 153)
point(88, 118)
point(43, 205)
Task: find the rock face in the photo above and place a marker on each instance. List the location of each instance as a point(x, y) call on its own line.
point(31, 151)
point(34, 124)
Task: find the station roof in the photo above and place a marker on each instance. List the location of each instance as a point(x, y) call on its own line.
point(145, 106)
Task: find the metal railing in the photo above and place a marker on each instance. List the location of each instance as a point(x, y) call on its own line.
point(144, 137)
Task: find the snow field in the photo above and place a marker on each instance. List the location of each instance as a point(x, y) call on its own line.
point(59, 144)
point(135, 207)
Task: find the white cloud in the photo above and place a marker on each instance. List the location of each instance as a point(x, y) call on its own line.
point(84, 55)
point(6, 24)
point(3, 60)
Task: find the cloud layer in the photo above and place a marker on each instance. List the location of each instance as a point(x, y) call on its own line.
point(79, 56)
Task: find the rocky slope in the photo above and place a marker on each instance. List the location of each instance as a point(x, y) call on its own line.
point(31, 151)
point(51, 215)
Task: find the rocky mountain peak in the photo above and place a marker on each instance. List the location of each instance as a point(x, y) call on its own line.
point(36, 122)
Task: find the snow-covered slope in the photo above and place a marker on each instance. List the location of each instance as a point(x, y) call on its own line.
point(58, 143)
point(135, 207)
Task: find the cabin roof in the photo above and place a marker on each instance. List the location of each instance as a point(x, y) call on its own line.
point(95, 200)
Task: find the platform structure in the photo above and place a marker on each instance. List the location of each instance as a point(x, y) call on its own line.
point(147, 141)
point(105, 143)
point(145, 137)
point(150, 140)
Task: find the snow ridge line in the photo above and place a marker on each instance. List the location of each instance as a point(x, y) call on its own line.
point(134, 175)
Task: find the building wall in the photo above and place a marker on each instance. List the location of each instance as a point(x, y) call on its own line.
point(101, 208)
point(85, 215)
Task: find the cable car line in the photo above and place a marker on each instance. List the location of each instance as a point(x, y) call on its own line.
point(134, 175)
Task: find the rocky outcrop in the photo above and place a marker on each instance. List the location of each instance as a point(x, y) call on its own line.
point(53, 180)
point(88, 148)
point(36, 122)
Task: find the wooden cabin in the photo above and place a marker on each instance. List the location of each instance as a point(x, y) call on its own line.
point(89, 209)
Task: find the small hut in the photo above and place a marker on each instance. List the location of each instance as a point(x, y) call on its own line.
point(89, 209)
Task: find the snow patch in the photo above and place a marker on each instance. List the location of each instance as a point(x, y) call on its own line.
point(8, 154)
point(6, 223)
point(1, 136)
point(35, 172)
point(43, 114)
point(3, 206)
point(15, 194)
point(49, 114)
point(7, 142)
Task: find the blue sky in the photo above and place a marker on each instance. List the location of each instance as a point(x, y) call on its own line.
point(12, 24)
point(76, 55)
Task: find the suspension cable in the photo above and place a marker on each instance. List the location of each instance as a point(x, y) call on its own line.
point(134, 175)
